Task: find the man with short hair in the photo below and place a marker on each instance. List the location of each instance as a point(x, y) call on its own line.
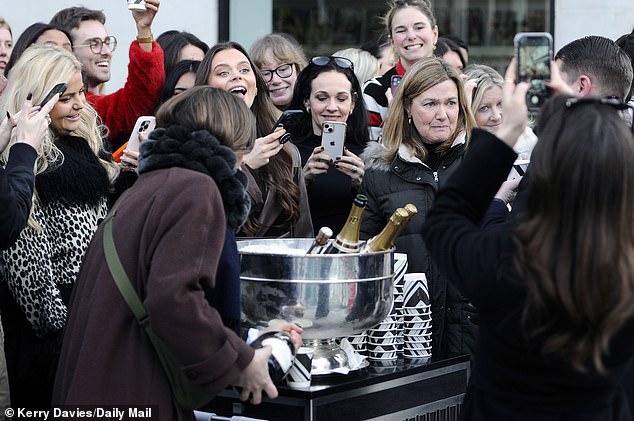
point(93, 46)
point(595, 66)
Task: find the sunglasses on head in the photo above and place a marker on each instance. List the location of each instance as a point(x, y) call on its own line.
point(341, 62)
point(614, 102)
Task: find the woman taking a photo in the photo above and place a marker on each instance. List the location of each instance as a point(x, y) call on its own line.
point(279, 204)
point(555, 289)
point(328, 90)
point(424, 139)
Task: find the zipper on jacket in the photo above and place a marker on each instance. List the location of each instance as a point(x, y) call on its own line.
point(435, 176)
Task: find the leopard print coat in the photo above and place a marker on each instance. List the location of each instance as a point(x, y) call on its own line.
point(71, 201)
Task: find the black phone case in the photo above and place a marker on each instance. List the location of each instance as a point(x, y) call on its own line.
point(59, 88)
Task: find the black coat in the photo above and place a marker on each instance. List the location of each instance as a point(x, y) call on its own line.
point(511, 378)
point(390, 185)
point(16, 192)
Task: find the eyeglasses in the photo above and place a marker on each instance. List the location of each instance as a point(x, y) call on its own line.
point(341, 62)
point(283, 71)
point(96, 44)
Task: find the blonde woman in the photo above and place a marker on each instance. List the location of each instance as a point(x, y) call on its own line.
point(73, 180)
point(424, 139)
point(483, 86)
point(366, 66)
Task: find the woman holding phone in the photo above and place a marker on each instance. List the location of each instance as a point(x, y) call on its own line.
point(329, 92)
point(74, 177)
point(279, 204)
point(555, 288)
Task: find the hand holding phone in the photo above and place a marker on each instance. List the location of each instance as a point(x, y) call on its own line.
point(395, 80)
point(333, 136)
point(144, 125)
point(60, 88)
point(534, 52)
point(288, 120)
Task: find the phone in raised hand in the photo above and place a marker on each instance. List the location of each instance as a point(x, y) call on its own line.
point(288, 120)
point(144, 125)
point(60, 88)
point(534, 52)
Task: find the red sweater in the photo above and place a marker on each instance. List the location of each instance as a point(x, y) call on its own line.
point(139, 96)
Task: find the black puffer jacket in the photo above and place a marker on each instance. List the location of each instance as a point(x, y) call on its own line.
point(390, 185)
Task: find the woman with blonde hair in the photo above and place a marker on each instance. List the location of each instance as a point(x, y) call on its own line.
point(483, 86)
point(424, 139)
point(74, 177)
point(366, 66)
point(6, 45)
point(279, 60)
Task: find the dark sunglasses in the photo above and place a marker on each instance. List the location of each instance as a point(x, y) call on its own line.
point(614, 102)
point(341, 62)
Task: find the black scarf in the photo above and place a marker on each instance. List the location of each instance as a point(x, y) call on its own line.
point(79, 180)
point(178, 146)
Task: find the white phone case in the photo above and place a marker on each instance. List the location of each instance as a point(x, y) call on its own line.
point(144, 124)
point(333, 136)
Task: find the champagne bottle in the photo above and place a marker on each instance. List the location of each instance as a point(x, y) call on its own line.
point(347, 241)
point(385, 239)
point(321, 239)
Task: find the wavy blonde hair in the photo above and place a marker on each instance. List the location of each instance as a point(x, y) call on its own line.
point(38, 70)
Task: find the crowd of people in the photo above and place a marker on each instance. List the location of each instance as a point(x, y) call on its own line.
point(533, 277)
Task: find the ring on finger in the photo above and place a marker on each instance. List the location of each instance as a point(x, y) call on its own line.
point(48, 119)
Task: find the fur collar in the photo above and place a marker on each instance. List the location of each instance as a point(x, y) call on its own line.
point(79, 180)
point(374, 158)
point(177, 146)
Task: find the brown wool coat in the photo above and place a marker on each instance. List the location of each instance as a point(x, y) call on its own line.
point(169, 234)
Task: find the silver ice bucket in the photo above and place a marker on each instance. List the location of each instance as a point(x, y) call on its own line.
point(330, 295)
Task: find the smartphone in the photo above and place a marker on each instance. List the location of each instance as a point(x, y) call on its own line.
point(534, 52)
point(144, 124)
point(519, 169)
point(60, 88)
point(333, 136)
point(288, 120)
point(395, 80)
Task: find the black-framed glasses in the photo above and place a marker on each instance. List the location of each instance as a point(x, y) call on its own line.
point(96, 44)
point(341, 62)
point(283, 71)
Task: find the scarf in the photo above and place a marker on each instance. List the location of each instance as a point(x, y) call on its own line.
point(178, 146)
point(79, 180)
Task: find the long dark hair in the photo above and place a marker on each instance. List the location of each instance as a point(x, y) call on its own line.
point(172, 42)
point(575, 239)
point(278, 173)
point(27, 38)
point(171, 78)
point(357, 123)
